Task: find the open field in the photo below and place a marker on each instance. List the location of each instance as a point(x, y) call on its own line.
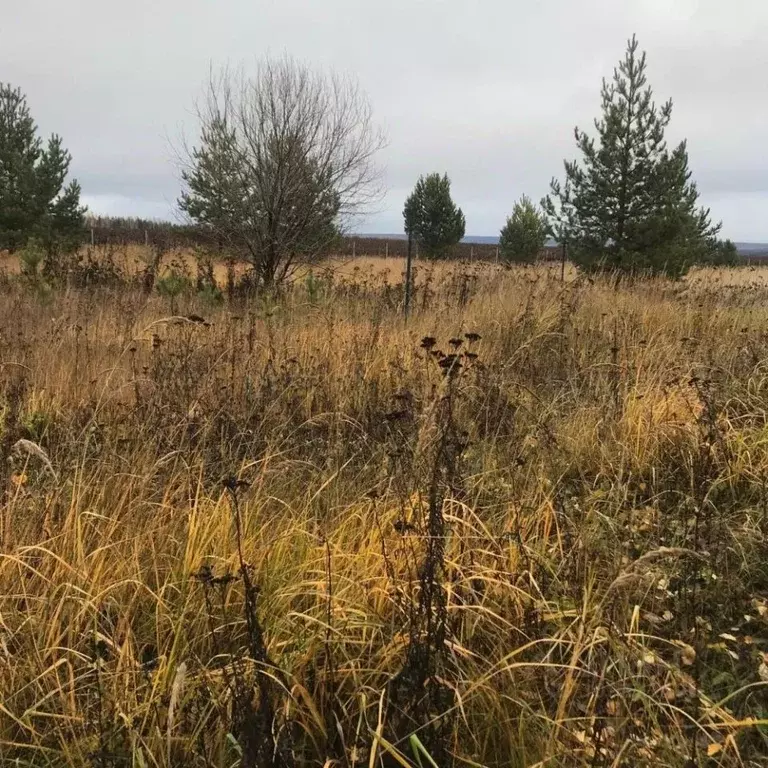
point(132, 259)
point(525, 528)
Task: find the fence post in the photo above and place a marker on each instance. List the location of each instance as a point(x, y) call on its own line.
point(387, 249)
point(354, 249)
point(408, 259)
point(92, 242)
point(562, 265)
point(497, 254)
point(146, 237)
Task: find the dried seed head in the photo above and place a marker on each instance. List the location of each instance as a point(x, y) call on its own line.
point(401, 526)
point(33, 449)
point(450, 364)
point(233, 484)
point(177, 690)
point(205, 574)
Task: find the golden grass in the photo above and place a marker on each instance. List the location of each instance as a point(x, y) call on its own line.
point(605, 574)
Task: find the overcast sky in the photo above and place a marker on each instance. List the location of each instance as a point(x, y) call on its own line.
point(488, 91)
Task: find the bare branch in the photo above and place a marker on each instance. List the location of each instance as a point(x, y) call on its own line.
point(287, 158)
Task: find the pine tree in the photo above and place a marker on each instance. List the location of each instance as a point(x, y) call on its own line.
point(212, 196)
point(20, 150)
point(524, 234)
point(33, 200)
point(66, 220)
point(630, 203)
point(431, 216)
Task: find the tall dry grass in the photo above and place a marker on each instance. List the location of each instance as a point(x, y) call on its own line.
point(295, 531)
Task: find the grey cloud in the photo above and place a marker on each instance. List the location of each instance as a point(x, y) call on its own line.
point(487, 91)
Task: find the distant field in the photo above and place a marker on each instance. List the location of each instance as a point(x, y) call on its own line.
point(368, 260)
point(368, 257)
point(527, 527)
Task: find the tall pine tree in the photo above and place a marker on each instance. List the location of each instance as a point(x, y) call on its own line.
point(34, 203)
point(630, 204)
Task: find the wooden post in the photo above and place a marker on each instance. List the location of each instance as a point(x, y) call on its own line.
point(92, 238)
point(562, 264)
point(387, 249)
point(408, 260)
point(146, 237)
point(471, 253)
point(497, 254)
point(354, 242)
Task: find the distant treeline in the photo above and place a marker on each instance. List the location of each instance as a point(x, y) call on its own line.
point(118, 230)
point(104, 230)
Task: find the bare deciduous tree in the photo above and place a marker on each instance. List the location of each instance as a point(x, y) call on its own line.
point(285, 159)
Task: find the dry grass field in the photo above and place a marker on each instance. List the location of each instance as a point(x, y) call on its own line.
point(527, 527)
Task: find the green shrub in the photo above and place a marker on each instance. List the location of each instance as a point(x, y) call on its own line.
point(173, 285)
point(524, 234)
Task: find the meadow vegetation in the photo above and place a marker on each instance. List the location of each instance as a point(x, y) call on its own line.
point(525, 528)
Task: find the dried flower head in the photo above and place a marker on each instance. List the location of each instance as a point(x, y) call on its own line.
point(450, 363)
point(402, 527)
point(233, 484)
